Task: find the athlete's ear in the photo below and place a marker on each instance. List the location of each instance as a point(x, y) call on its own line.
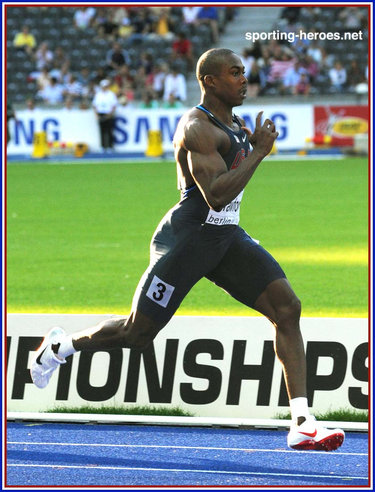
point(209, 80)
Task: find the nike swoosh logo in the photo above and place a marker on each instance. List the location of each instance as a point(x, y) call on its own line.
point(309, 434)
point(244, 138)
point(38, 361)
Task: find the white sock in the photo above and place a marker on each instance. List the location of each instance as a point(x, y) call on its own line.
point(299, 408)
point(66, 347)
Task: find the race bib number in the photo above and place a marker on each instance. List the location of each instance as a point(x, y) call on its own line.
point(230, 214)
point(159, 291)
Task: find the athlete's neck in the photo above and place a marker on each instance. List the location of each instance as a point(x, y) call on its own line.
point(218, 109)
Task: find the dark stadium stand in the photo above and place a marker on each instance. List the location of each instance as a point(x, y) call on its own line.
point(84, 47)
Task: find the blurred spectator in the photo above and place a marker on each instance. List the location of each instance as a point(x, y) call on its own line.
point(142, 23)
point(303, 85)
point(182, 49)
point(175, 83)
point(160, 73)
point(84, 104)
point(60, 64)
point(53, 93)
point(337, 76)
point(300, 45)
point(117, 57)
point(279, 66)
point(43, 56)
point(144, 81)
point(156, 11)
point(125, 29)
point(254, 81)
point(99, 75)
point(210, 17)
point(104, 104)
point(247, 59)
point(73, 88)
point(172, 102)
point(163, 26)
point(355, 75)
point(126, 93)
point(190, 15)
point(60, 58)
point(290, 14)
point(106, 25)
point(315, 51)
point(123, 77)
point(122, 20)
point(68, 104)
point(30, 105)
point(119, 14)
point(83, 17)
point(256, 50)
point(25, 41)
point(327, 60)
point(146, 61)
point(310, 13)
point(351, 17)
point(43, 79)
point(312, 68)
point(84, 76)
point(89, 91)
point(292, 78)
point(11, 115)
point(149, 100)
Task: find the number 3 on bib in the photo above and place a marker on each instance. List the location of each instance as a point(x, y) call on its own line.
point(159, 291)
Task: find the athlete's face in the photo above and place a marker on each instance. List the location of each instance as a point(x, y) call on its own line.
point(231, 83)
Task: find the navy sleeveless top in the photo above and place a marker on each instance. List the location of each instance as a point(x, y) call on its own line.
point(239, 147)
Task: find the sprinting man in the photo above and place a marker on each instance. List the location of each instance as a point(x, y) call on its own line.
point(200, 237)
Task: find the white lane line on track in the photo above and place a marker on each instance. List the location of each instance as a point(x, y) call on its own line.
point(249, 450)
point(178, 470)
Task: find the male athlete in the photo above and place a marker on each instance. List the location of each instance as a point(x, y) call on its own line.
point(200, 237)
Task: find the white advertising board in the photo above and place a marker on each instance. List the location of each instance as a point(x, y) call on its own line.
point(294, 123)
point(211, 366)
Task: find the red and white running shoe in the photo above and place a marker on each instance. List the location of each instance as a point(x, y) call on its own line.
point(311, 435)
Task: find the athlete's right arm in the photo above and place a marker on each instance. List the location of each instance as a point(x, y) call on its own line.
point(218, 185)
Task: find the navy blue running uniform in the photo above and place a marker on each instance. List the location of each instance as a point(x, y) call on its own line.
point(194, 241)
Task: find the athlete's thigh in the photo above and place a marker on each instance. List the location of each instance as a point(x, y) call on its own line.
point(246, 269)
point(178, 262)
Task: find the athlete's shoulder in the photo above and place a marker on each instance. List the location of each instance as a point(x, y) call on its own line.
point(194, 128)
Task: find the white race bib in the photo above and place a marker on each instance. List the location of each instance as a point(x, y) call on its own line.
point(230, 214)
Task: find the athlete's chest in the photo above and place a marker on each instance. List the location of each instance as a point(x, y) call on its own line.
point(234, 148)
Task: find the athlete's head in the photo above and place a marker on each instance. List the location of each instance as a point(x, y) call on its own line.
point(220, 73)
point(211, 62)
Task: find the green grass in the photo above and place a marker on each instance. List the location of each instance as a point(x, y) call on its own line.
point(78, 235)
point(340, 415)
point(136, 410)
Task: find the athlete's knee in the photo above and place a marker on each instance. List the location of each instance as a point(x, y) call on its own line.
point(288, 312)
point(138, 340)
point(139, 333)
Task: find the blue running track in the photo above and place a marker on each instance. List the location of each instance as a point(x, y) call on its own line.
point(41, 454)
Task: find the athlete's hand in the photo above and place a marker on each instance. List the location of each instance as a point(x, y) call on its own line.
point(264, 135)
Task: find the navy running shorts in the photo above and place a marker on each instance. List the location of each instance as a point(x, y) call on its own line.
point(184, 250)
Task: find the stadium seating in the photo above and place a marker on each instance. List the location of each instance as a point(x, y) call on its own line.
point(84, 47)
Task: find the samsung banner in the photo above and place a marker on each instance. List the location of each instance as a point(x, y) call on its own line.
point(210, 366)
point(294, 123)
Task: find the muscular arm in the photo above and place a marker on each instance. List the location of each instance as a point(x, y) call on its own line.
point(218, 185)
